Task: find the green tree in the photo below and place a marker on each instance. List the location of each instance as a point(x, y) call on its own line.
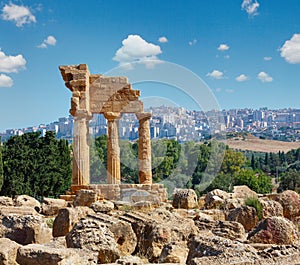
point(35, 165)
point(290, 181)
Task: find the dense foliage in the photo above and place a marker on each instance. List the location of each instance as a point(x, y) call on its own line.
point(41, 166)
point(35, 165)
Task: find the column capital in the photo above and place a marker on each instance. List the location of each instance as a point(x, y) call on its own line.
point(83, 114)
point(143, 116)
point(110, 116)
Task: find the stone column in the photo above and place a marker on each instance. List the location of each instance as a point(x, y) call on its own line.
point(144, 149)
point(81, 149)
point(113, 148)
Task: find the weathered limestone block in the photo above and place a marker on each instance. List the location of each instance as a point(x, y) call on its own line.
point(25, 200)
point(103, 206)
point(85, 198)
point(122, 231)
point(40, 254)
point(274, 230)
point(245, 215)
point(185, 198)
point(216, 198)
point(270, 208)
point(8, 251)
point(174, 252)
point(66, 219)
point(156, 229)
point(231, 230)
point(25, 229)
point(290, 201)
point(51, 206)
point(243, 192)
point(6, 201)
point(93, 235)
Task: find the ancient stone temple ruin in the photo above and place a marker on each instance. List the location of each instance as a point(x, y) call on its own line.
point(110, 96)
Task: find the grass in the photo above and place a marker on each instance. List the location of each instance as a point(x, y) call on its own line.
point(255, 203)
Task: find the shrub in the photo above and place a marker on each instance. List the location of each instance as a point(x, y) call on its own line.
point(255, 203)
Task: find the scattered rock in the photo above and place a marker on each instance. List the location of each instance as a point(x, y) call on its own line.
point(270, 208)
point(174, 252)
point(85, 198)
point(25, 229)
point(185, 198)
point(66, 219)
point(130, 260)
point(50, 207)
point(6, 201)
point(274, 230)
point(210, 249)
point(215, 199)
point(39, 254)
point(8, 251)
point(245, 215)
point(290, 202)
point(103, 206)
point(231, 230)
point(243, 192)
point(94, 235)
point(25, 200)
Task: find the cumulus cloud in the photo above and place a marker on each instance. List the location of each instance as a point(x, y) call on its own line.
point(136, 49)
point(192, 42)
point(250, 7)
point(241, 78)
point(163, 39)
point(223, 47)
point(268, 58)
point(11, 64)
point(216, 74)
point(50, 40)
point(264, 77)
point(18, 14)
point(290, 50)
point(5, 81)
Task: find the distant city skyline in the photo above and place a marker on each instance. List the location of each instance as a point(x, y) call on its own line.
point(246, 52)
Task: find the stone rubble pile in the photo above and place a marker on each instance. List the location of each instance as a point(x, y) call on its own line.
point(224, 230)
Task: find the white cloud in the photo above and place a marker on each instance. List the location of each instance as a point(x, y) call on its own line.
point(218, 89)
point(11, 64)
point(268, 58)
point(136, 49)
point(163, 39)
point(223, 47)
point(241, 78)
point(227, 56)
point(229, 90)
point(5, 81)
point(19, 14)
point(250, 7)
point(193, 42)
point(216, 74)
point(290, 50)
point(50, 40)
point(264, 77)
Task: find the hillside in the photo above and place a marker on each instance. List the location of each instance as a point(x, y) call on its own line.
point(252, 143)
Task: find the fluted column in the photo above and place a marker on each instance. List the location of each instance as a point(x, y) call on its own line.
point(144, 148)
point(81, 149)
point(113, 148)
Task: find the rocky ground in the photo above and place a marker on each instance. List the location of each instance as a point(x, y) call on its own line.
point(215, 229)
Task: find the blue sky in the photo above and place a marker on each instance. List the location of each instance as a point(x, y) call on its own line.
point(247, 52)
